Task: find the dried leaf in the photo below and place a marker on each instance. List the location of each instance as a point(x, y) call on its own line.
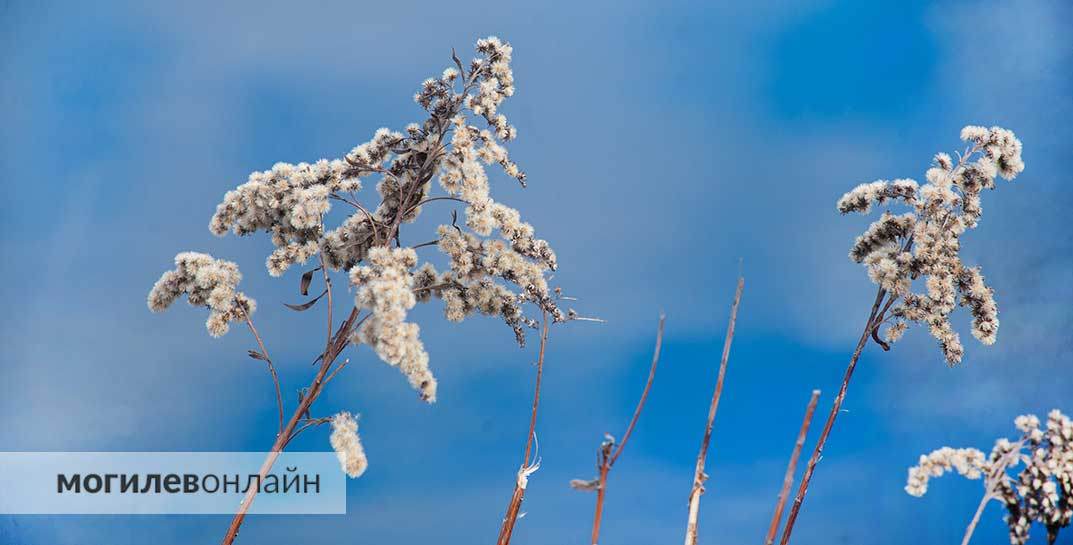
point(458, 62)
point(307, 279)
point(257, 355)
point(307, 305)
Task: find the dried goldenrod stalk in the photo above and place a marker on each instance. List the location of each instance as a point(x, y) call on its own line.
point(923, 244)
point(497, 266)
point(1041, 492)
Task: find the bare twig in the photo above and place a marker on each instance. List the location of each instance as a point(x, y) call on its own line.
point(515, 505)
point(788, 479)
point(644, 394)
point(872, 322)
point(698, 473)
point(423, 244)
point(271, 368)
point(608, 453)
point(328, 291)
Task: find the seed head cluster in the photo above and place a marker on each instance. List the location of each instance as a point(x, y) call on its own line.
point(497, 264)
point(1041, 492)
point(385, 288)
point(207, 282)
point(924, 243)
point(288, 202)
point(347, 445)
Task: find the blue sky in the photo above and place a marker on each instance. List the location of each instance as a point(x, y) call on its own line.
point(663, 142)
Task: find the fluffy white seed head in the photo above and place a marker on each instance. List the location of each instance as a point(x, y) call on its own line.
point(1042, 491)
point(925, 242)
point(347, 445)
point(207, 282)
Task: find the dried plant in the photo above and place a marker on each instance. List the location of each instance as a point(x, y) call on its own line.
point(923, 245)
point(788, 479)
point(1041, 492)
point(495, 276)
point(610, 450)
point(699, 476)
point(531, 459)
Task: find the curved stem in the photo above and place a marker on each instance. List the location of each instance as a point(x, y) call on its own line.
point(608, 453)
point(271, 369)
point(644, 394)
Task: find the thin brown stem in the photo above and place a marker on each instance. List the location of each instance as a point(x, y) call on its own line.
point(836, 407)
point(788, 479)
point(698, 473)
point(515, 505)
point(309, 424)
point(536, 388)
point(644, 394)
point(434, 199)
point(423, 244)
point(285, 436)
point(271, 368)
point(338, 368)
point(609, 453)
point(601, 490)
point(327, 290)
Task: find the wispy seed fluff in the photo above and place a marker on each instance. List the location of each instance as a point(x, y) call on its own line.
point(385, 287)
point(207, 282)
point(924, 243)
point(347, 445)
point(1041, 492)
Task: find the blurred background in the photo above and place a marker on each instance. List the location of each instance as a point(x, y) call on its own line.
point(663, 142)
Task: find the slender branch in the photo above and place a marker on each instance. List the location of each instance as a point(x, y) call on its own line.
point(423, 244)
point(271, 368)
point(515, 505)
point(608, 453)
point(788, 479)
point(836, 407)
point(356, 204)
point(433, 199)
point(327, 290)
point(601, 490)
point(698, 473)
point(644, 394)
point(314, 390)
point(310, 423)
point(336, 371)
point(536, 388)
